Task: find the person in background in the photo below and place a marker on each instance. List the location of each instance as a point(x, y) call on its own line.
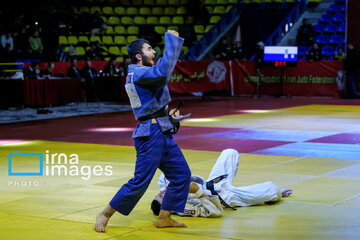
point(110, 69)
point(305, 35)
point(237, 52)
point(314, 53)
point(31, 72)
point(36, 46)
point(88, 74)
point(49, 71)
point(123, 67)
point(73, 71)
point(351, 70)
point(340, 56)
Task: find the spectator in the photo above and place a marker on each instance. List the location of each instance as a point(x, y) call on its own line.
point(31, 72)
point(110, 68)
point(49, 71)
point(314, 53)
point(351, 70)
point(36, 46)
point(197, 10)
point(95, 52)
point(73, 71)
point(97, 24)
point(61, 55)
point(222, 51)
point(340, 56)
point(259, 53)
point(187, 31)
point(305, 35)
point(237, 52)
point(6, 38)
point(6, 55)
point(123, 67)
point(89, 73)
point(21, 44)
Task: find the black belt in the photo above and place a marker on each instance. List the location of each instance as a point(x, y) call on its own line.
point(210, 186)
point(161, 113)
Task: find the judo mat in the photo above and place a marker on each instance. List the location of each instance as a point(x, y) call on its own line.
point(311, 146)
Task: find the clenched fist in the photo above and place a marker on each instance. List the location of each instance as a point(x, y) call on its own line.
point(173, 32)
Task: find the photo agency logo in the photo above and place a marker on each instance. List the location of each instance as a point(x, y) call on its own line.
point(52, 165)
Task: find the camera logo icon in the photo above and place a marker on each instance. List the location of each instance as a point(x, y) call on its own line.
point(33, 159)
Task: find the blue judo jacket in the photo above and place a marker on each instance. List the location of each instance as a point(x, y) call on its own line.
point(146, 86)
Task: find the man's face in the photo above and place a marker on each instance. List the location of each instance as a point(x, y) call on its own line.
point(147, 55)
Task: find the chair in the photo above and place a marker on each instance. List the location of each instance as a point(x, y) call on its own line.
point(132, 11)
point(63, 40)
point(210, 9)
point(95, 39)
point(80, 50)
point(210, 2)
point(94, 9)
point(107, 40)
point(120, 30)
point(173, 2)
point(120, 58)
point(152, 20)
point(139, 20)
point(161, 2)
point(327, 52)
point(336, 40)
point(137, 2)
point(149, 2)
point(341, 29)
point(145, 11)
point(222, 2)
point(157, 11)
point(181, 11)
point(159, 30)
point(120, 40)
point(219, 10)
point(339, 18)
point(73, 40)
point(199, 29)
point(109, 30)
point(322, 39)
point(208, 27)
point(326, 18)
point(185, 49)
point(84, 9)
point(126, 20)
point(170, 11)
point(113, 20)
point(215, 19)
point(164, 20)
point(83, 39)
point(131, 38)
point(108, 10)
point(178, 20)
point(119, 11)
point(333, 9)
point(302, 52)
point(124, 50)
point(342, 8)
point(114, 50)
point(133, 30)
point(331, 28)
point(319, 28)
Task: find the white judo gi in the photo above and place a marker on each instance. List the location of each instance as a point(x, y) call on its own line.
point(227, 163)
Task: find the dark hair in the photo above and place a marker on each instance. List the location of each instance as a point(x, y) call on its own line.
point(155, 207)
point(135, 47)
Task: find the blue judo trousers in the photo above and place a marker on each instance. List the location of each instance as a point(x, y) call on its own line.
point(154, 144)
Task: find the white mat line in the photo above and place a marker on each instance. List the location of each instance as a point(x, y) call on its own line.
point(347, 199)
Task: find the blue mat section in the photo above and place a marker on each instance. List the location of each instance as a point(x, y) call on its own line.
point(309, 149)
point(271, 134)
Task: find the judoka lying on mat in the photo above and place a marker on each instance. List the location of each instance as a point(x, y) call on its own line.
point(208, 198)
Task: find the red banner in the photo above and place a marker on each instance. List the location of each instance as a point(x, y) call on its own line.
point(322, 78)
point(200, 76)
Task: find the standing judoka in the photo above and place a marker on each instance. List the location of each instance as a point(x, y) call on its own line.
point(149, 98)
point(205, 203)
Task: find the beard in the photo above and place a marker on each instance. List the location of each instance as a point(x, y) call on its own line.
point(146, 61)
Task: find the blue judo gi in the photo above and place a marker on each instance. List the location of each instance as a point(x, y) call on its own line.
point(155, 147)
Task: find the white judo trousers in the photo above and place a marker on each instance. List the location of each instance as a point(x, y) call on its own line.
point(228, 163)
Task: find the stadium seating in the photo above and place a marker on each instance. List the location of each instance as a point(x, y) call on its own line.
point(327, 52)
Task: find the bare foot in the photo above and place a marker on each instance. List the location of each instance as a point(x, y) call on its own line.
point(168, 222)
point(286, 192)
point(101, 222)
